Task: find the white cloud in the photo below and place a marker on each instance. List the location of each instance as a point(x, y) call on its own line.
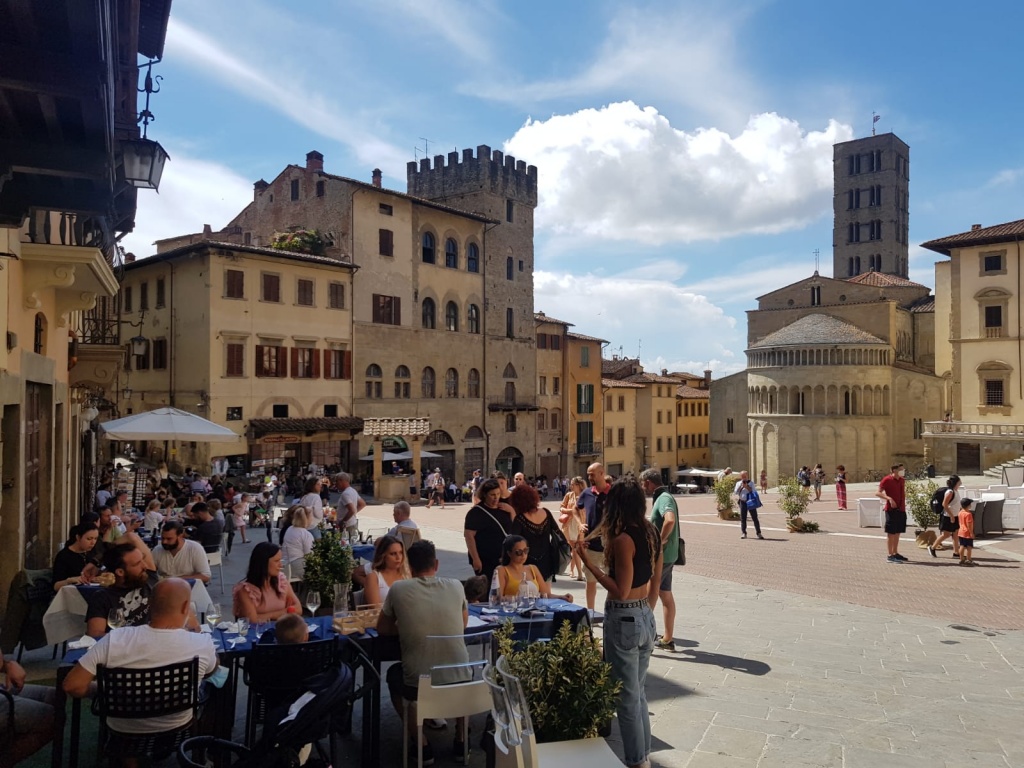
point(1006, 177)
point(192, 193)
point(623, 172)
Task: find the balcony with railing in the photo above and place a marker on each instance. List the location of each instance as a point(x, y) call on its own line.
point(973, 429)
point(586, 449)
point(518, 403)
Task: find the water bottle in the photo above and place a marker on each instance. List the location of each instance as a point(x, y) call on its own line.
point(493, 597)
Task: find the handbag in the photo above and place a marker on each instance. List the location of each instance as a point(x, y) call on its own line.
point(681, 557)
point(753, 500)
point(561, 546)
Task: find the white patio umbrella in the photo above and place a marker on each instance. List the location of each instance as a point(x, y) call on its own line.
point(167, 424)
point(386, 456)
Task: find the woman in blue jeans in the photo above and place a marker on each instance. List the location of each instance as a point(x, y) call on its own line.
point(632, 549)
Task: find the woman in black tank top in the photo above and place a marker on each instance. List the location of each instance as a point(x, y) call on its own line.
point(633, 553)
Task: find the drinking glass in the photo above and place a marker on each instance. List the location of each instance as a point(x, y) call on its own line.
point(313, 602)
point(213, 615)
point(243, 627)
point(115, 619)
point(259, 628)
point(508, 604)
point(341, 606)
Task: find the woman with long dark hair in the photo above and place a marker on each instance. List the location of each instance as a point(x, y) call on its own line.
point(76, 554)
point(486, 526)
point(633, 553)
point(536, 524)
point(264, 594)
point(515, 569)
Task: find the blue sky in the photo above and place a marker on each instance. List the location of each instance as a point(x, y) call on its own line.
point(684, 148)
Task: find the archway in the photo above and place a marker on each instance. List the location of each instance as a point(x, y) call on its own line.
point(509, 461)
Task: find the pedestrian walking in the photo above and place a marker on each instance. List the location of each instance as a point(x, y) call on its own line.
point(817, 478)
point(764, 481)
point(949, 523)
point(966, 532)
point(841, 486)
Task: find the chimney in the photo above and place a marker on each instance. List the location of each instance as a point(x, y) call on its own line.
point(258, 187)
point(314, 161)
point(207, 230)
point(707, 379)
point(129, 258)
point(376, 177)
point(975, 227)
point(664, 371)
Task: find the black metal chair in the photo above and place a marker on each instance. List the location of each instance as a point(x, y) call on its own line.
point(7, 737)
point(145, 693)
point(29, 596)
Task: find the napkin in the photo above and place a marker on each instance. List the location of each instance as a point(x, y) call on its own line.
point(312, 628)
point(228, 626)
point(84, 642)
point(205, 629)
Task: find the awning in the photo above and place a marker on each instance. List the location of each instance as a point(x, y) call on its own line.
point(697, 473)
point(305, 426)
point(167, 424)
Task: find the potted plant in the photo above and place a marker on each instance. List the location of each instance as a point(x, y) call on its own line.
point(568, 685)
point(723, 497)
point(329, 563)
point(794, 499)
point(918, 499)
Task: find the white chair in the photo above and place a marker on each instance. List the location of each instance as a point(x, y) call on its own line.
point(217, 559)
point(508, 751)
point(451, 689)
point(584, 753)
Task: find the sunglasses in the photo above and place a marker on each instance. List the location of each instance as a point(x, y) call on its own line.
point(520, 551)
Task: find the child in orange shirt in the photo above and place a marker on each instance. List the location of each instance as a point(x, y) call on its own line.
point(966, 533)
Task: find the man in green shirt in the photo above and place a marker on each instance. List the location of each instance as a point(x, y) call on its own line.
point(663, 518)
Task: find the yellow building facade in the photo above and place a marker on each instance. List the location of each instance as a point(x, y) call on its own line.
point(621, 452)
point(693, 410)
point(585, 425)
point(552, 396)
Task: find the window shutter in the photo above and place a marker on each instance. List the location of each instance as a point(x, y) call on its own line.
point(295, 361)
point(376, 308)
point(327, 362)
point(260, 371)
point(316, 363)
point(579, 398)
point(346, 364)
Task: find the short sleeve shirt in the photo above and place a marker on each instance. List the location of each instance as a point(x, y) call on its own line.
point(191, 558)
point(491, 527)
point(425, 607)
point(894, 488)
point(664, 503)
point(591, 501)
point(134, 604)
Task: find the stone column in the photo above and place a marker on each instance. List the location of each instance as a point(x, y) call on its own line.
point(417, 447)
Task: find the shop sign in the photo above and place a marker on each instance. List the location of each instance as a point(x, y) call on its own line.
point(273, 439)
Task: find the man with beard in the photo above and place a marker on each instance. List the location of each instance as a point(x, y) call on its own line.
point(178, 556)
point(130, 591)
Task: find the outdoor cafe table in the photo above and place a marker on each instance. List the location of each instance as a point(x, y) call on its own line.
point(65, 618)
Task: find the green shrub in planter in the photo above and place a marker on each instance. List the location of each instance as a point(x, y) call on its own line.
point(723, 497)
point(567, 683)
point(919, 497)
point(794, 500)
point(329, 563)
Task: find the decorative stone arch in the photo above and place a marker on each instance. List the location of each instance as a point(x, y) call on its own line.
point(318, 406)
point(265, 409)
point(509, 460)
point(438, 437)
point(429, 239)
point(474, 433)
point(510, 372)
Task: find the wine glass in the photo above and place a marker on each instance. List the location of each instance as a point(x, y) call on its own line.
point(213, 615)
point(115, 618)
point(243, 627)
point(313, 602)
point(259, 628)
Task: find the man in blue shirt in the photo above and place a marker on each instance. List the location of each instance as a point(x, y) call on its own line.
point(591, 501)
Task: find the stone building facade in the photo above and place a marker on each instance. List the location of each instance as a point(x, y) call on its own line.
point(552, 395)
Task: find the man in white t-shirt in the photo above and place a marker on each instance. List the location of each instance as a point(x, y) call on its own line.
point(349, 505)
point(161, 642)
point(178, 556)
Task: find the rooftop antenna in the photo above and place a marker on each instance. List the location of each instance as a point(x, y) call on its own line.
point(639, 347)
point(426, 146)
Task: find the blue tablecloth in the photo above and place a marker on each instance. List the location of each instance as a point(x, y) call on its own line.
point(536, 624)
point(363, 551)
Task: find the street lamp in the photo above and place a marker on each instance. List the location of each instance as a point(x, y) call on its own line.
point(139, 344)
point(144, 158)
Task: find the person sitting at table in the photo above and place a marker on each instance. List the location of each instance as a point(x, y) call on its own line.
point(264, 594)
point(159, 642)
point(514, 569)
point(285, 522)
point(154, 516)
point(177, 556)
point(33, 715)
point(388, 567)
point(291, 629)
point(129, 593)
point(70, 563)
point(297, 542)
point(402, 515)
point(208, 530)
point(416, 608)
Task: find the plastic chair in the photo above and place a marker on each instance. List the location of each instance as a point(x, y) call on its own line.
point(508, 751)
point(144, 693)
point(454, 687)
point(217, 559)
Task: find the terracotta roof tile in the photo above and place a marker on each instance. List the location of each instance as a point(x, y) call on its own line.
point(619, 365)
point(999, 233)
point(883, 280)
point(540, 317)
point(254, 249)
point(816, 329)
point(926, 304)
point(651, 378)
point(619, 384)
point(583, 337)
point(693, 393)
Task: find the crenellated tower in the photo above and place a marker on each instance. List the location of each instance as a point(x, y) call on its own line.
point(504, 190)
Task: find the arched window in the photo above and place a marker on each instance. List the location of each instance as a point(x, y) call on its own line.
point(451, 383)
point(473, 383)
point(509, 372)
point(451, 254)
point(374, 386)
point(473, 316)
point(427, 386)
point(474, 433)
point(439, 437)
point(510, 422)
point(451, 316)
point(428, 248)
point(510, 323)
point(429, 314)
point(402, 383)
point(472, 258)
point(510, 393)
point(509, 268)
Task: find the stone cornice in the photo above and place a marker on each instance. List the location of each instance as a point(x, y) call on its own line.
point(78, 274)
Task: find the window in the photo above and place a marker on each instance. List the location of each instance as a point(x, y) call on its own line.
point(994, 384)
point(387, 309)
point(428, 248)
point(918, 428)
point(142, 361)
point(815, 295)
point(554, 419)
point(510, 422)
point(337, 364)
point(159, 354)
point(555, 342)
point(993, 321)
point(993, 264)
point(402, 381)
point(271, 290)
point(584, 436)
point(609, 436)
point(542, 385)
point(320, 188)
point(509, 211)
point(330, 409)
point(622, 402)
point(520, 265)
point(234, 353)
point(510, 393)
point(427, 382)
point(305, 293)
point(585, 357)
point(336, 295)
point(234, 284)
point(729, 426)
point(542, 341)
point(385, 210)
point(161, 293)
point(556, 385)
point(659, 444)
point(622, 435)
point(39, 334)
point(584, 398)
point(374, 386)
point(686, 441)
point(854, 234)
point(451, 316)
point(451, 254)
point(473, 318)
point(386, 240)
point(473, 383)
point(270, 361)
point(510, 323)
point(994, 392)
point(305, 363)
point(280, 411)
point(509, 372)
point(451, 383)
point(429, 313)
point(875, 229)
point(234, 413)
point(472, 258)
point(509, 269)
point(144, 297)
point(126, 293)
point(295, 189)
point(659, 417)
point(542, 421)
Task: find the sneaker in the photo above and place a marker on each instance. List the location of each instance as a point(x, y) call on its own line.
point(743, 535)
point(760, 537)
point(459, 751)
point(894, 559)
point(428, 752)
point(932, 550)
point(665, 645)
point(900, 557)
point(435, 724)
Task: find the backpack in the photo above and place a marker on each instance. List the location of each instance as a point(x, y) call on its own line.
point(936, 501)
